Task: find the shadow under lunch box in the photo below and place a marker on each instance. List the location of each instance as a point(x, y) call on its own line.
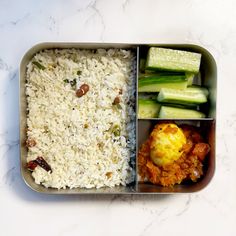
point(208, 72)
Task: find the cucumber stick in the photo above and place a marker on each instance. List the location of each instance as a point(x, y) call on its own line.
point(172, 60)
point(198, 89)
point(186, 96)
point(148, 108)
point(178, 105)
point(190, 77)
point(167, 112)
point(154, 83)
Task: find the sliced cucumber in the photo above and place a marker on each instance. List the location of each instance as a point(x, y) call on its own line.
point(172, 60)
point(164, 73)
point(148, 108)
point(184, 106)
point(186, 96)
point(154, 83)
point(190, 77)
point(198, 89)
point(179, 113)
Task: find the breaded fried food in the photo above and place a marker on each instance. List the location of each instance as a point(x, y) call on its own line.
point(166, 143)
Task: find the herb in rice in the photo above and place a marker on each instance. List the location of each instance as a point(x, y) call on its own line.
point(81, 117)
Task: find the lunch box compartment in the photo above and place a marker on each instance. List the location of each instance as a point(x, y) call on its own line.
point(207, 129)
point(26, 174)
point(206, 77)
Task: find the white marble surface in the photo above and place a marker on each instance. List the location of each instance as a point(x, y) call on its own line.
point(209, 23)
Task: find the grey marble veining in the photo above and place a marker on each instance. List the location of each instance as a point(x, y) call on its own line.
point(208, 23)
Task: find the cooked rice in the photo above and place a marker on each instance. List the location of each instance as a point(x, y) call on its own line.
point(74, 134)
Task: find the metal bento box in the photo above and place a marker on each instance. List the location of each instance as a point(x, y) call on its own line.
point(208, 78)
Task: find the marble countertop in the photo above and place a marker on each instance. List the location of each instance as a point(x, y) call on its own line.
point(208, 23)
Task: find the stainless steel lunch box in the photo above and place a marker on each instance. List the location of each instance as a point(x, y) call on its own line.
point(208, 73)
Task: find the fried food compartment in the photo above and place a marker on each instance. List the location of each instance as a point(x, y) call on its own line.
point(194, 167)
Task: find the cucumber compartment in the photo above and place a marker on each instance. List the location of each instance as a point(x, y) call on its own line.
point(206, 77)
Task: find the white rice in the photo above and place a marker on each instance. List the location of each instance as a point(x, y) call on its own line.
point(74, 134)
